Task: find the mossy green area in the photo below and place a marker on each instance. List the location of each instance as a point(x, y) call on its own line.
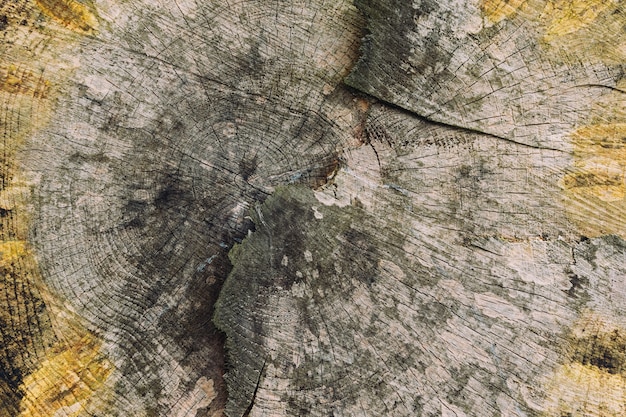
point(304, 259)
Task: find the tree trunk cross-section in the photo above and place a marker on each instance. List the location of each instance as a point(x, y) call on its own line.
point(426, 302)
point(325, 208)
point(164, 123)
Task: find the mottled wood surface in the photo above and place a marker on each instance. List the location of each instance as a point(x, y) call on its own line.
point(419, 207)
point(435, 283)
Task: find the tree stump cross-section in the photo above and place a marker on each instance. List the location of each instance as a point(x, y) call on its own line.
point(266, 208)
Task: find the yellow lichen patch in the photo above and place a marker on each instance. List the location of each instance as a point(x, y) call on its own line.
point(593, 381)
point(599, 180)
point(66, 380)
point(590, 30)
point(497, 10)
point(585, 391)
point(64, 377)
point(26, 329)
point(596, 185)
point(39, 380)
point(19, 268)
point(71, 14)
point(16, 80)
point(568, 16)
point(12, 252)
point(70, 372)
point(600, 152)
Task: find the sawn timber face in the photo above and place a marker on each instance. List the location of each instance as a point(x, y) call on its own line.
point(438, 268)
point(422, 281)
point(172, 122)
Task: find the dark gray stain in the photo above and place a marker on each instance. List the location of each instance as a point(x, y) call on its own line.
point(285, 238)
point(388, 25)
point(291, 246)
point(418, 406)
point(579, 285)
point(255, 61)
point(587, 249)
point(79, 158)
point(247, 167)
point(361, 249)
point(192, 327)
point(10, 392)
point(5, 212)
point(171, 194)
point(604, 350)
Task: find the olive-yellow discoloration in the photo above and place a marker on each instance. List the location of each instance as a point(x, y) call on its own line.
point(585, 391)
point(72, 370)
point(600, 152)
point(72, 14)
point(595, 187)
point(20, 80)
point(65, 382)
point(590, 30)
point(15, 257)
point(27, 330)
point(558, 17)
point(55, 364)
point(11, 252)
point(593, 380)
point(497, 10)
point(568, 16)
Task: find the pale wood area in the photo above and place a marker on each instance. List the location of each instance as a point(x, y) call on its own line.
point(271, 208)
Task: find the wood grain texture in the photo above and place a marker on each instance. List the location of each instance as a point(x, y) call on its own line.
point(427, 280)
point(26, 95)
point(169, 122)
point(443, 237)
point(531, 77)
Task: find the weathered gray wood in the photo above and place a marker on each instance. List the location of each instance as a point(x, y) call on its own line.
point(498, 226)
point(528, 71)
point(167, 122)
point(453, 249)
point(428, 280)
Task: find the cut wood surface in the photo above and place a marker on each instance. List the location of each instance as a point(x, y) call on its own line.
point(266, 208)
